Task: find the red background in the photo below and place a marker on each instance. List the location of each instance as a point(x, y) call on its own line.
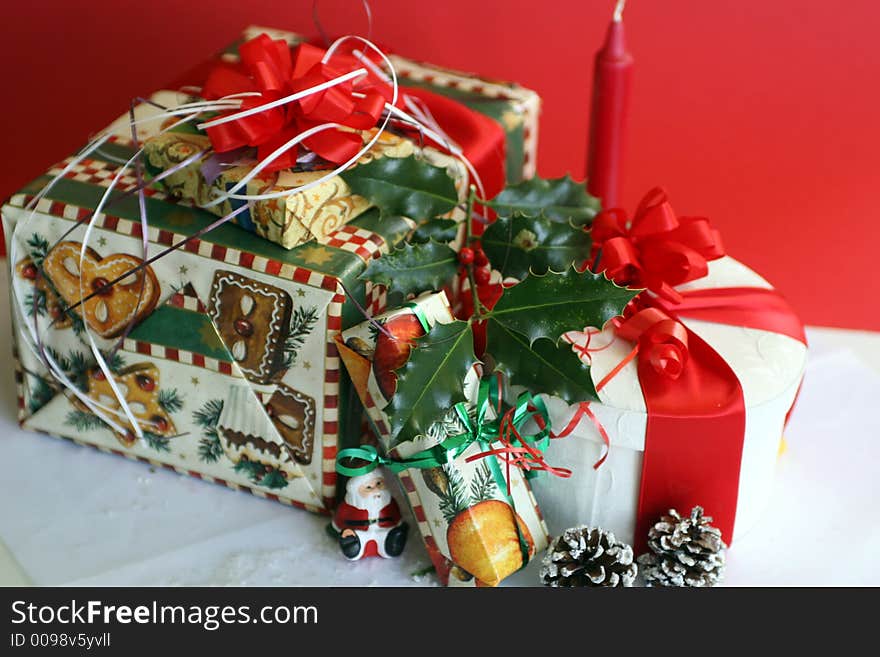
point(761, 115)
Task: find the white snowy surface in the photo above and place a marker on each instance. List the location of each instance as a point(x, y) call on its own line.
point(73, 515)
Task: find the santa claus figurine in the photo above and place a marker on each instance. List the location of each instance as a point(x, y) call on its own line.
point(368, 522)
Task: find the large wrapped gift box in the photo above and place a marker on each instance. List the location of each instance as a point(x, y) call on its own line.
point(478, 517)
point(225, 346)
point(493, 123)
point(231, 368)
point(647, 469)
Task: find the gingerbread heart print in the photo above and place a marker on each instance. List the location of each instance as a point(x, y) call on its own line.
point(108, 309)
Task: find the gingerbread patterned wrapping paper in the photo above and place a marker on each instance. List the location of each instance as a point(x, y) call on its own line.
point(230, 370)
point(478, 519)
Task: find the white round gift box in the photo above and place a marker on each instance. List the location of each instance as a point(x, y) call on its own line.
point(769, 367)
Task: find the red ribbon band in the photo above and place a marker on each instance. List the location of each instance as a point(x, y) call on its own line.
point(695, 406)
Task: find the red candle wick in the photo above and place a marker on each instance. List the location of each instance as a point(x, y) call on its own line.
point(614, 48)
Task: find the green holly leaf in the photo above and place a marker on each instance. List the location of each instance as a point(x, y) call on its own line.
point(431, 381)
point(515, 245)
point(542, 366)
point(550, 305)
point(439, 230)
point(272, 479)
point(157, 442)
point(405, 186)
point(559, 199)
point(413, 268)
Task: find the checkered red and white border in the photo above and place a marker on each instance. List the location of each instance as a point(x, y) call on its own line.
point(376, 415)
point(199, 247)
point(19, 383)
point(228, 255)
point(101, 173)
point(377, 299)
point(415, 502)
point(22, 414)
point(363, 243)
point(187, 302)
point(177, 356)
point(360, 241)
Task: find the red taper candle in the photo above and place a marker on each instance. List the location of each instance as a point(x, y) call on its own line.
point(611, 80)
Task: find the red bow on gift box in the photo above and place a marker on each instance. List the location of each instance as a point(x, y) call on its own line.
point(662, 341)
point(656, 250)
point(269, 69)
point(696, 410)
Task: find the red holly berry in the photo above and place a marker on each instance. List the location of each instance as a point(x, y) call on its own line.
point(480, 258)
point(100, 287)
point(145, 382)
point(482, 275)
point(466, 256)
point(29, 271)
point(159, 423)
point(98, 375)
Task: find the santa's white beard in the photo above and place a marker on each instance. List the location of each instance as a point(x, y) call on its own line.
point(373, 504)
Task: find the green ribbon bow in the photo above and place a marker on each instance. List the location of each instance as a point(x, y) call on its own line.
point(478, 430)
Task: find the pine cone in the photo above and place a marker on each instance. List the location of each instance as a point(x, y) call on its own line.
point(587, 556)
point(684, 551)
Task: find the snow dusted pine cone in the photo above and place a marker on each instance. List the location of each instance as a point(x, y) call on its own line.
point(684, 551)
point(587, 556)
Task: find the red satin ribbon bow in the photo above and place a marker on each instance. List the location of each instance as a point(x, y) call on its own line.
point(268, 67)
point(656, 250)
point(662, 341)
point(695, 404)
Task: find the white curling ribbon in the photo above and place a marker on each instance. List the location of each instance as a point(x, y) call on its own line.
point(262, 164)
point(96, 216)
point(436, 135)
point(90, 148)
point(420, 118)
point(231, 193)
point(35, 344)
point(96, 352)
point(453, 148)
point(424, 121)
point(283, 101)
point(53, 367)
